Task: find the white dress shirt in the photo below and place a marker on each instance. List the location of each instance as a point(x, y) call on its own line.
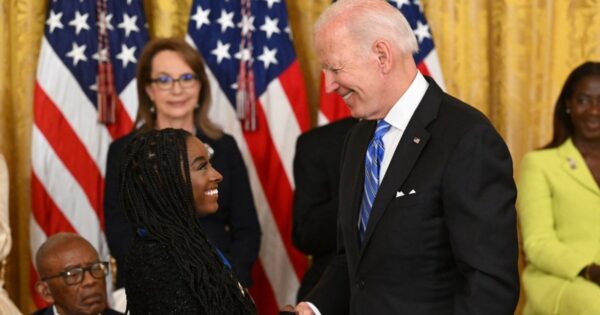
point(399, 116)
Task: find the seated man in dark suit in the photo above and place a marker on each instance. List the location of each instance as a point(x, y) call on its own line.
point(72, 277)
point(317, 176)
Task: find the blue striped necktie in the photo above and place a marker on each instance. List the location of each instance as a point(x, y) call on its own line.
point(373, 160)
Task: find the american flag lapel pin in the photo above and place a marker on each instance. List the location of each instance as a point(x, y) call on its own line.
point(416, 140)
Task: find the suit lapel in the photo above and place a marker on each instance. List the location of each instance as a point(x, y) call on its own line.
point(412, 143)
point(574, 165)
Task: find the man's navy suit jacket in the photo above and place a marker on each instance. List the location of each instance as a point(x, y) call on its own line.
point(442, 236)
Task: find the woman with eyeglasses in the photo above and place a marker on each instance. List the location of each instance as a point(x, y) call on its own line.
point(168, 184)
point(559, 204)
point(174, 92)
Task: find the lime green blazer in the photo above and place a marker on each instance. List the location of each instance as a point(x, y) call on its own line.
point(559, 213)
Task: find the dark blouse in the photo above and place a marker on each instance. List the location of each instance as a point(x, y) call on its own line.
point(155, 286)
point(234, 228)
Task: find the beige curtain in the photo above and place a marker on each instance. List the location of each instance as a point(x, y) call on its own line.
point(508, 58)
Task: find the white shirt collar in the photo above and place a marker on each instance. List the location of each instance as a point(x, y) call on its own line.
point(405, 107)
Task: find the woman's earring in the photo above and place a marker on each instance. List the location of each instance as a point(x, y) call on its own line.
point(568, 111)
point(152, 107)
point(197, 106)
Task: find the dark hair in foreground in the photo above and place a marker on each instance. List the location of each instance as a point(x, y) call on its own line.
point(563, 127)
point(157, 196)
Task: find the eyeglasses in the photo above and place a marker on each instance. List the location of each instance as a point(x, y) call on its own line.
point(73, 276)
point(165, 82)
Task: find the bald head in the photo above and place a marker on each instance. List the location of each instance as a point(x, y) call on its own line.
point(55, 245)
point(72, 277)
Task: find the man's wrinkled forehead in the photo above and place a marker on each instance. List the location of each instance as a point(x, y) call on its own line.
point(69, 254)
point(330, 38)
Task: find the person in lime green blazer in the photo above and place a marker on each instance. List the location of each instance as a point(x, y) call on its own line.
point(559, 205)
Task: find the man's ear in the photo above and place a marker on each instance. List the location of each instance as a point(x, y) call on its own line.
point(44, 290)
point(383, 51)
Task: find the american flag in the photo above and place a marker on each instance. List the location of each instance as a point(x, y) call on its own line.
point(69, 145)
point(332, 106)
point(216, 29)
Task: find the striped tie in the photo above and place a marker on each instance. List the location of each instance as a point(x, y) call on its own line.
point(372, 166)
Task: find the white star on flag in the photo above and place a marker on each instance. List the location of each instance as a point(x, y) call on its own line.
point(422, 31)
point(101, 55)
point(54, 21)
point(222, 51)
point(107, 19)
point(245, 55)
point(270, 26)
point(288, 30)
point(79, 22)
point(400, 3)
point(127, 55)
point(128, 24)
point(201, 17)
point(268, 56)
point(77, 53)
point(418, 4)
point(226, 20)
point(271, 2)
point(94, 87)
point(246, 24)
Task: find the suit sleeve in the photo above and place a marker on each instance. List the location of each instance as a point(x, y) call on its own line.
point(479, 195)
point(542, 246)
point(117, 228)
point(245, 229)
point(315, 208)
point(331, 295)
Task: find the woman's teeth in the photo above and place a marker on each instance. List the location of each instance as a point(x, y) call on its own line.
point(212, 192)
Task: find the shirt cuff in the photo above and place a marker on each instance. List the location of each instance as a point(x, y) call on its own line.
point(313, 308)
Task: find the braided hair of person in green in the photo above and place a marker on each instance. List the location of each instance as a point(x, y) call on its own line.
point(172, 268)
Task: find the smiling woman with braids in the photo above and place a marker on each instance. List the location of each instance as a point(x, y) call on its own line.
point(168, 183)
point(174, 92)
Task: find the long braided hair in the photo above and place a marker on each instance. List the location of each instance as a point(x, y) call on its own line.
point(157, 196)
